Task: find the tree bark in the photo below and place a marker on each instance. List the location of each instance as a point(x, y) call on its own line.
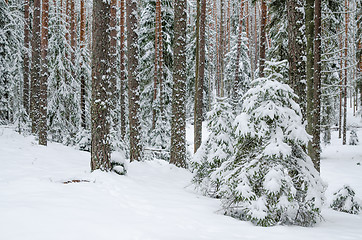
point(122, 71)
point(317, 84)
point(133, 82)
point(72, 33)
point(296, 51)
point(309, 22)
point(82, 77)
point(199, 81)
point(237, 79)
point(43, 86)
point(178, 122)
point(26, 70)
point(113, 94)
point(35, 68)
point(100, 151)
point(262, 38)
point(344, 133)
point(221, 52)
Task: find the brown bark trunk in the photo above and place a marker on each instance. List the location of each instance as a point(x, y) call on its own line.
point(100, 151)
point(35, 68)
point(178, 122)
point(344, 133)
point(262, 38)
point(43, 101)
point(317, 84)
point(199, 86)
point(26, 56)
point(82, 77)
point(237, 77)
point(340, 85)
point(113, 61)
point(122, 71)
point(72, 32)
point(133, 82)
point(221, 52)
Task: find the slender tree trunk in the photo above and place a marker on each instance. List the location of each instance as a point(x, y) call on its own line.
point(100, 152)
point(82, 76)
point(178, 122)
point(221, 51)
point(26, 56)
point(199, 81)
point(296, 49)
point(35, 68)
point(237, 77)
point(262, 38)
point(309, 22)
point(344, 133)
point(113, 61)
point(160, 55)
point(228, 25)
point(156, 66)
point(122, 71)
point(43, 86)
point(317, 84)
point(133, 82)
point(72, 33)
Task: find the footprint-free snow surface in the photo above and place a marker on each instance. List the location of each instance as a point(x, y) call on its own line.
point(153, 201)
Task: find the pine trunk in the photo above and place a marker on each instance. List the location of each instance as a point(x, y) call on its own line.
point(72, 33)
point(133, 82)
point(178, 122)
point(317, 84)
point(309, 22)
point(82, 76)
point(237, 79)
point(296, 51)
point(35, 68)
point(344, 133)
point(100, 152)
point(156, 66)
point(262, 38)
point(43, 86)
point(113, 61)
point(26, 71)
point(199, 81)
point(221, 52)
point(122, 71)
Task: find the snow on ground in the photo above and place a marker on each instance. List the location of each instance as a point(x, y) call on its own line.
point(153, 202)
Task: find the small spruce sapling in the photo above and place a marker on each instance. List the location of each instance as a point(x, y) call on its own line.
point(270, 179)
point(344, 200)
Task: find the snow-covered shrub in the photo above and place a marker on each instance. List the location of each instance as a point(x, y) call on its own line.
point(271, 180)
point(353, 139)
point(344, 200)
point(215, 150)
point(119, 163)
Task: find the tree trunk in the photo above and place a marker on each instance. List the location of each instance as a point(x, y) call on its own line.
point(340, 86)
point(133, 82)
point(82, 77)
point(100, 152)
point(122, 72)
point(26, 72)
point(309, 22)
point(317, 84)
point(113, 61)
point(199, 81)
point(237, 79)
point(43, 86)
point(344, 133)
point(296, 51)
point(262, 38)
point(72, 33)
point(221, 52)
point(156, 66)
point(178, 122)
point(35, 68)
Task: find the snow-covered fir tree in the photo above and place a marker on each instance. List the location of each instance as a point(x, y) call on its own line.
point(270, 179)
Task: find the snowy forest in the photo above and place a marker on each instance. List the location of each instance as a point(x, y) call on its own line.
point(246, 110)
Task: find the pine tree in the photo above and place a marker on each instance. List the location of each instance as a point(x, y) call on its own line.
point(178, 123)
point(100, 115)
point(133, 81)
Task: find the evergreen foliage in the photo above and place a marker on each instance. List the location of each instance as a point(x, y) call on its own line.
point(344, 200)
point(270, 179)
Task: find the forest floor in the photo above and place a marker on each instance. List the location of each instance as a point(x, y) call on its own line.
point(154, 201)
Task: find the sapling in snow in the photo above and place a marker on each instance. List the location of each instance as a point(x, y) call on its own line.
point(345, 200)
point(270, 179)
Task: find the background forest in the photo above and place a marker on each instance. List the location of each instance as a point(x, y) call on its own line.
point(271, 79)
